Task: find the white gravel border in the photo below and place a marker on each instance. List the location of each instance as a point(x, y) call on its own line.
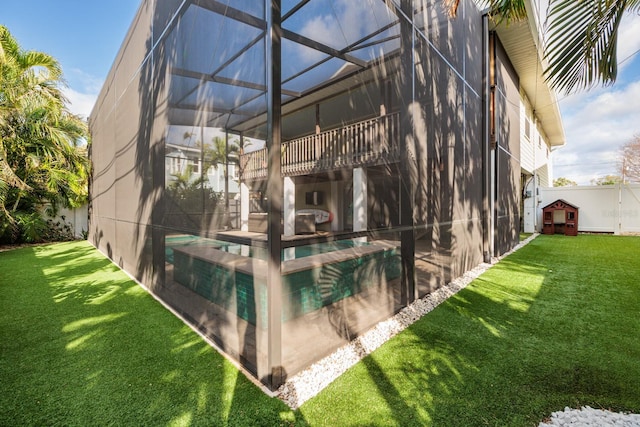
point(589, 417)
point(308, 383)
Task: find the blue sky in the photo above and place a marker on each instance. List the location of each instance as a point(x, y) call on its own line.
point(599, 121)
point(86, 35)
point(83, 35)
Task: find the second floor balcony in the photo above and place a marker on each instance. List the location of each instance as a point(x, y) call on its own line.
point(366, 143)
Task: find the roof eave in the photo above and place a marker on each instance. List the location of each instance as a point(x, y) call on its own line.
point(523, 46)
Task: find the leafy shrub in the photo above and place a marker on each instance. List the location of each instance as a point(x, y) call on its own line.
point(32, 227)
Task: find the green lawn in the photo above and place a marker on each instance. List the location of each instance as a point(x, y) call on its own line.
point(553, 325)
point(524, 236)
point(83, 345)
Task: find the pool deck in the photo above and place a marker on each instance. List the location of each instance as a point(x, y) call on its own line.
point(258, 268)
point(260, 239)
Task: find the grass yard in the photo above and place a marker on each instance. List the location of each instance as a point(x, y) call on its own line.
point(553, 325)
point(524, 236)
point(84, 345)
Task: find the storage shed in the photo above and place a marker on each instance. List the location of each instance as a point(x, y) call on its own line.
point(560, 217)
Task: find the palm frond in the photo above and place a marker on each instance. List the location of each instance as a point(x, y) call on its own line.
point(7, 174)
point(42, 62)
point(4, 189)
point(507, 10)
point(500, 10)
point(582, 43)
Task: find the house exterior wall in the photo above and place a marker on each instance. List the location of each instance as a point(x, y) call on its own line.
point(535, 161)
point(445, 140)
point(507, 154)
point(534, 152)
point(203, 68)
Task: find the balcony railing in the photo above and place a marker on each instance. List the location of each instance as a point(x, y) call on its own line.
point(365, 143)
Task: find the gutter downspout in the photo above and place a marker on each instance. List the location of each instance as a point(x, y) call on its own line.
point(487, 123)
point(619, 230)
point(534, 190)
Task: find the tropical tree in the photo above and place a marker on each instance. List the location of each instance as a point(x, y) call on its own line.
point(583, 41)
point(582, 38)
point(630, 160)
point(215, 154)
point(564, 182)
point(190, 195)
point(223, 152)
point(607, 180)
point(43, 157)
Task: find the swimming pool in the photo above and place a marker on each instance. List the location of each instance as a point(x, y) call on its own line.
point(183, 241)
point(234, 276)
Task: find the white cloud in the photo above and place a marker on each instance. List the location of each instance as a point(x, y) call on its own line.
point(615, 105)
point(596, 125)
point(599, 121)
point(89, 83)
point(82, 91)
point(347, 22)
point(628, 37)
point(80, 103)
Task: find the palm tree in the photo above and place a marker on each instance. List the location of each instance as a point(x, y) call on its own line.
point(583, 38)
point(222, 151)
point(216, 153)
point(42, 145)
point(582, 47)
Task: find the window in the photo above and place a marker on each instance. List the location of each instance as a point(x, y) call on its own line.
point(176, 165)
point(527, 128)
point(195, 166)
point(559, 216)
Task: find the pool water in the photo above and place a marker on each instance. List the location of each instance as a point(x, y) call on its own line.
point(256, 252)
point(305, 289)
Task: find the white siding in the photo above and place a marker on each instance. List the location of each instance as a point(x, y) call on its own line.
point(527, 161)
point(534, 149)
point(534, 162)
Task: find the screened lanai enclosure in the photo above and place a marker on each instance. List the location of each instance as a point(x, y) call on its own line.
point(285, 174)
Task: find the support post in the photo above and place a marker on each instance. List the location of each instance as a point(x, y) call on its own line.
point(487, 222)
point(360, 218)
point(227, 221)
point(408, 173)
point(244, 206)
point(276, 374)
point(289, 206)
point(335, 206)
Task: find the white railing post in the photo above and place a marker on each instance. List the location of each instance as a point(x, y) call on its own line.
point(357, 144)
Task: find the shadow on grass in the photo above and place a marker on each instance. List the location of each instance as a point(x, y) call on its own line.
point(553, 325)
point(546, 328)
point(84, 345)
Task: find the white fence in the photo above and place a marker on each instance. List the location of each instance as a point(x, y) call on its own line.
point(77, 219)
point(602, 208)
